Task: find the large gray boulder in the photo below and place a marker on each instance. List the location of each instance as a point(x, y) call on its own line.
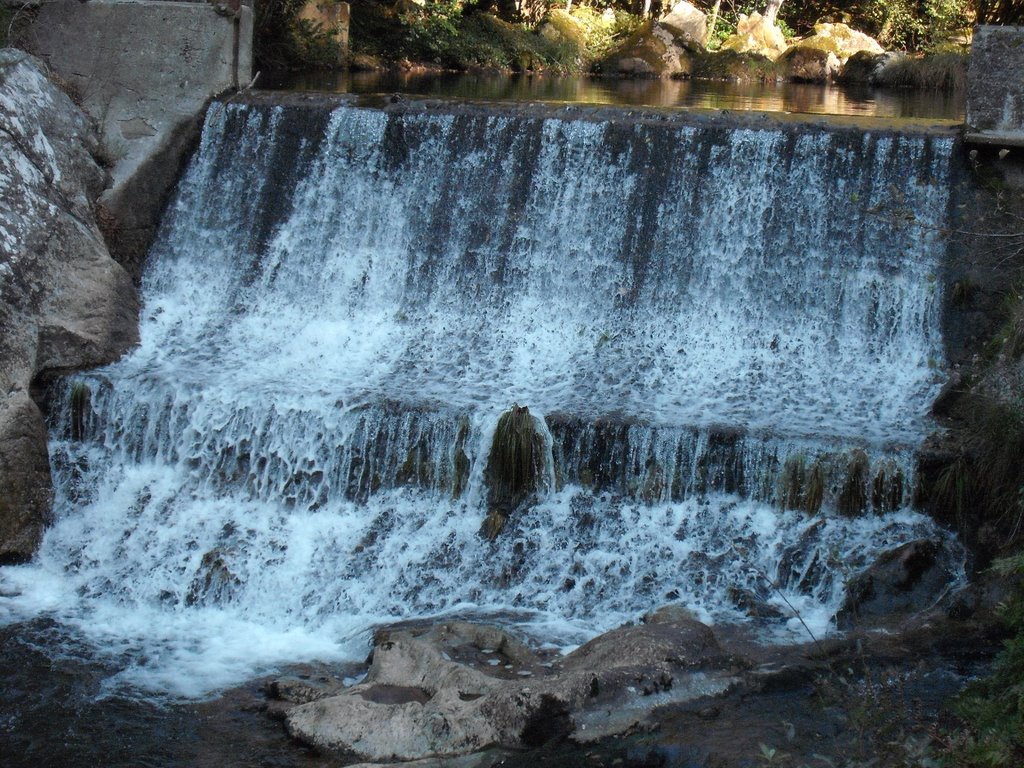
point(459, 688)
point(64, 303)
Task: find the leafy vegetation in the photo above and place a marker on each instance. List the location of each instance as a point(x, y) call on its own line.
point(283, 40)
point(567, 38)
point(993, 707)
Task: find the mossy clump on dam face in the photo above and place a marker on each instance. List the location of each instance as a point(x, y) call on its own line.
point(803, 486)
point(853, 497)
point(515, 466)
point(81, 397)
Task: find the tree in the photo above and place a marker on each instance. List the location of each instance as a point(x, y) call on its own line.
point(771, 10)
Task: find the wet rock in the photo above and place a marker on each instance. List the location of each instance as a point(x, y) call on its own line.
point(301, 690)
point(214, 582)
point(810, 65)
point(64, 303)
point(863, 67)
point(464, 705)
point(25, 472)
point(908, 579)
point(515, 464)
point(753, 605)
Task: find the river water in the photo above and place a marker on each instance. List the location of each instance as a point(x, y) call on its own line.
point(797, 98)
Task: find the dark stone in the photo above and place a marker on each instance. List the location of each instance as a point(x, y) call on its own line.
point(548, 722)
point(907, 579)
point(862, 67)
point(753, 605)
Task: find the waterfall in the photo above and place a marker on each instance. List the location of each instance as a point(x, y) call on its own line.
point(729, 338)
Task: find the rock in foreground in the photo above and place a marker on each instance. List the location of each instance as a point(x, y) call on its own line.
point(458, 688)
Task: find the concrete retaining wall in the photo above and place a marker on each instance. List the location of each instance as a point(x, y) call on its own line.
point(145, 71)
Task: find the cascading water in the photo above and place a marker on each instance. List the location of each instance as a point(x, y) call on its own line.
point(716, 330)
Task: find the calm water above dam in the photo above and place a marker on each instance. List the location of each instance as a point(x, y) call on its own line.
point(796, 98)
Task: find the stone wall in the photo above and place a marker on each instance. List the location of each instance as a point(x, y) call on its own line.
point(145, 71)
point(995, 86)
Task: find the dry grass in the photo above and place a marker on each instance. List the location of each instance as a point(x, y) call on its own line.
point(938, 71)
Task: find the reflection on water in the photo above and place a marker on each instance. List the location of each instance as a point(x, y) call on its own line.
point(782, 97)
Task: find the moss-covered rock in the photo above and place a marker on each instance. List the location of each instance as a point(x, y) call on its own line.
point(863, 67)
point(515, 465)
point(819, 58)
point(755, 34)
point(734, 66)
point(839, 39)
point(651, 51)
point(809, 65)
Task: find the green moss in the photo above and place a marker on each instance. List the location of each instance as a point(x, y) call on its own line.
point(81, 397)
point(515, 464)
point(730, 65)
point(814, 493)
point(461, 464)
point(792, 482)
point(853, 496)
point(802, 488)
point(493, 525)
point(887, 489)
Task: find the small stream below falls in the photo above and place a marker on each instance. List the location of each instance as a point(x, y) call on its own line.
point(728, 337)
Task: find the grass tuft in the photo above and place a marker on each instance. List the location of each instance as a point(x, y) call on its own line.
point(939, 71)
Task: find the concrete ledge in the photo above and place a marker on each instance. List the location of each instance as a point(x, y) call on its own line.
point(995, 139)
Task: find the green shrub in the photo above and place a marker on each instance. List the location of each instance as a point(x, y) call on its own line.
point(980, 490)
point(601, 32)
point(993, 707)
point(281, 40)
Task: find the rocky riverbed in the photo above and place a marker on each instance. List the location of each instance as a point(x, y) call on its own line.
point(668, 691)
